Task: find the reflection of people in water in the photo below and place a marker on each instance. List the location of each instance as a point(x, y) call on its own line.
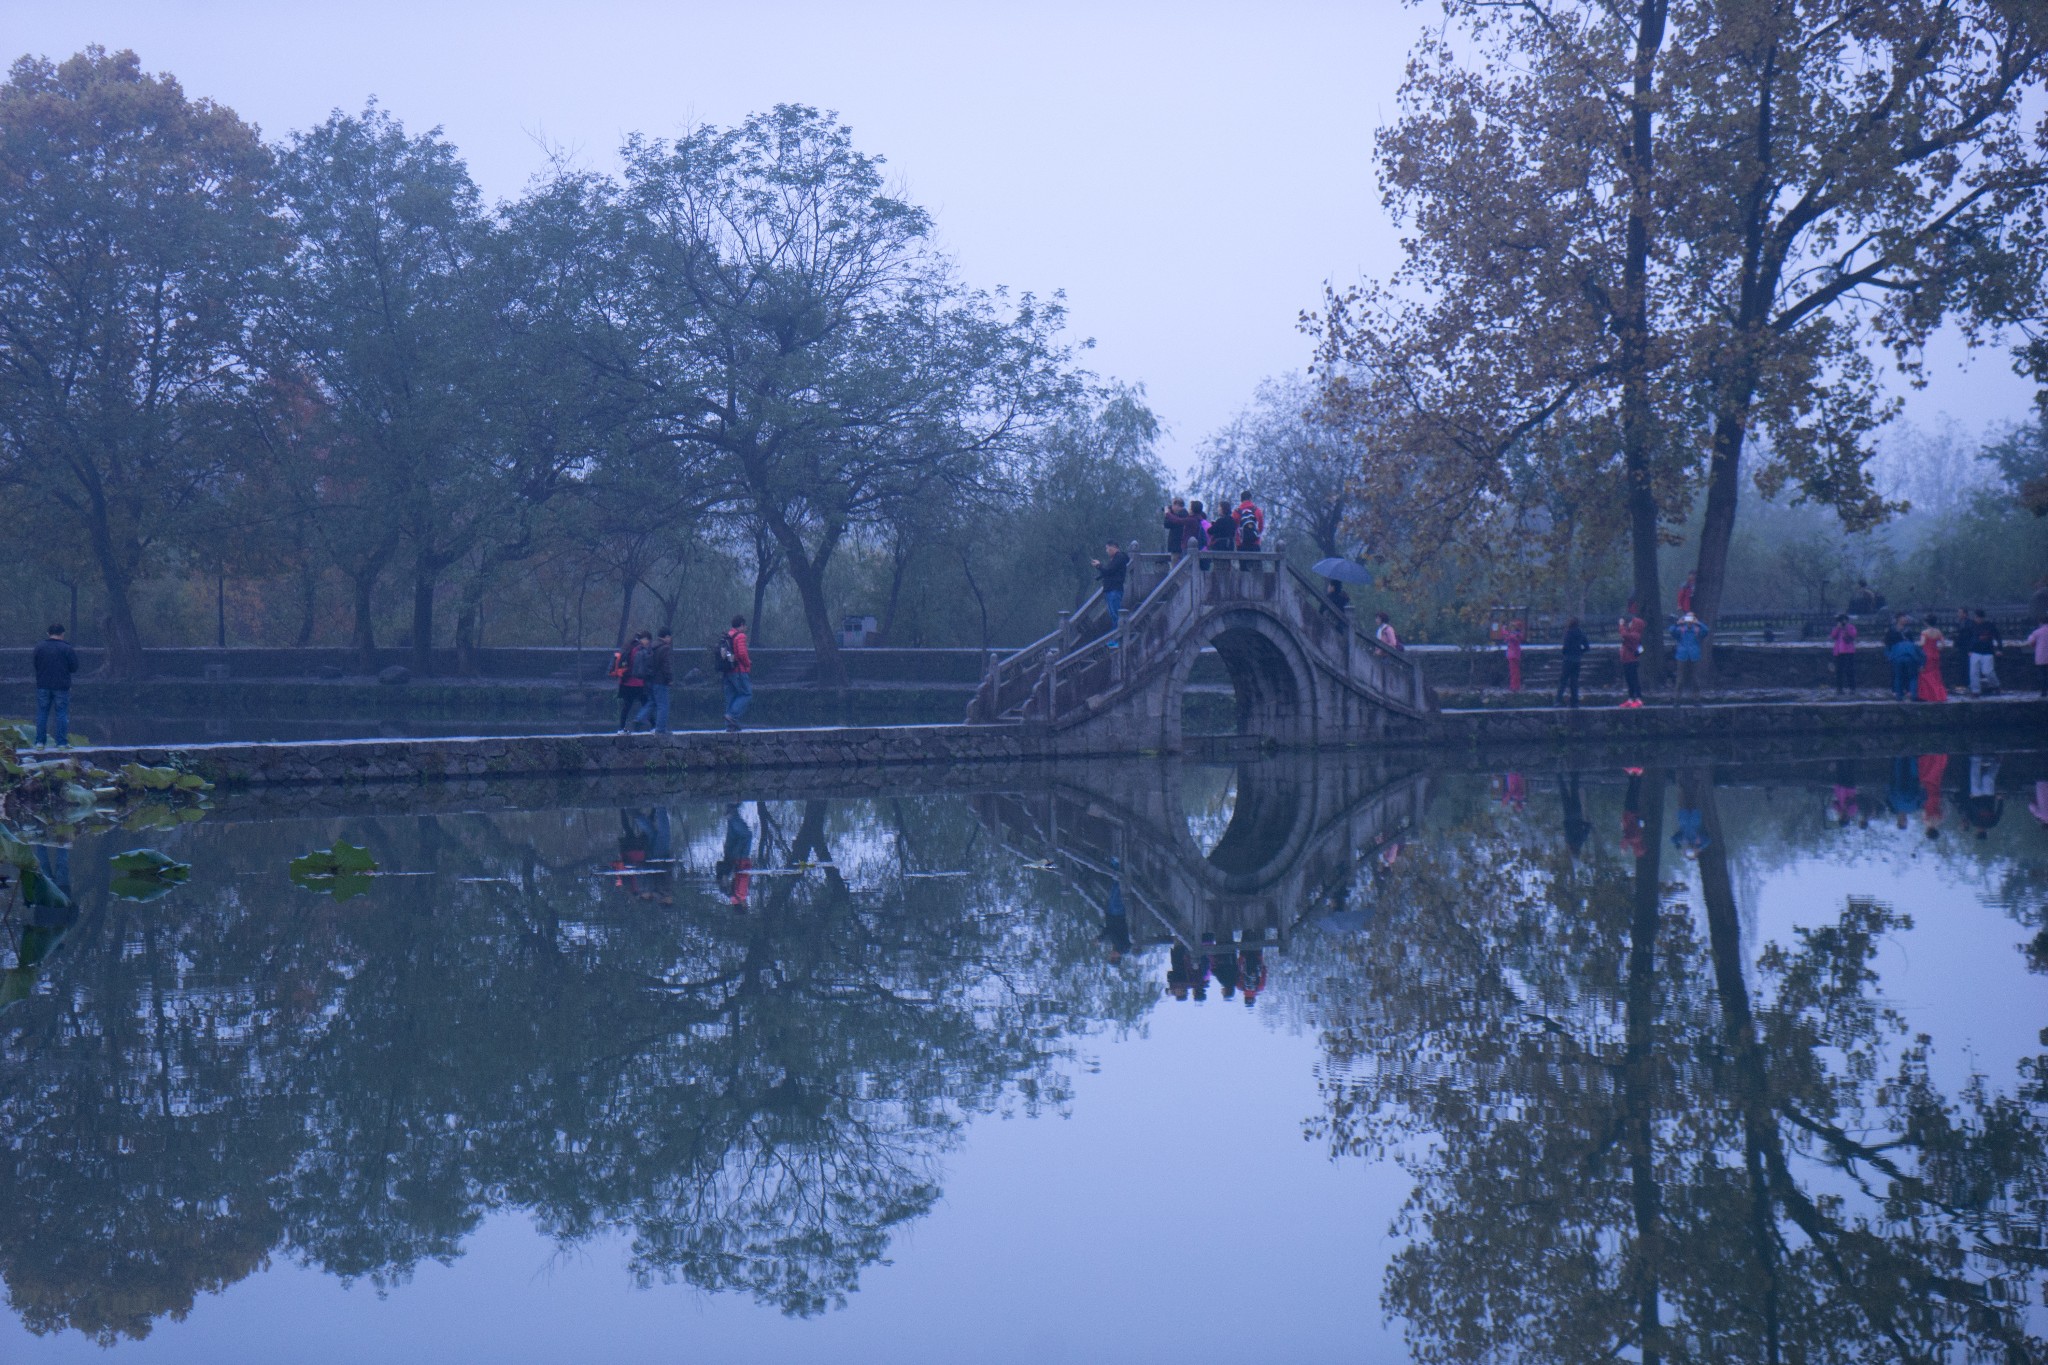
point(1933, 769)
point(1847, 811)
point(1576, 826)
point(735, 870)
point(1514, 791)
point(1251, 975)
point(1225, 967)
point(50, 916)
point(646, 839)
point(1691, 835)
point(1116, 924)
point(1185, 975)
point(1632, 816)
point(1903, 792)
point(2039, 807)
point(1984, 807)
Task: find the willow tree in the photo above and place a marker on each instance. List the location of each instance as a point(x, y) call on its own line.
point(1651, 237)
point(136, 226)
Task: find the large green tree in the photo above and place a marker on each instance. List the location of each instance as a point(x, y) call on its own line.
point(136, 229)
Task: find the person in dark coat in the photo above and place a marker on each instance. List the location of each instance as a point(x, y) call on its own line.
point(55, 662)
point(1113, 571)
point(1571, 654)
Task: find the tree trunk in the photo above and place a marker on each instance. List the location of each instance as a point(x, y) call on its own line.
point(1639, 1075)
point(899, 566)
point(423, 580)
point(810, 587)
point(980, 597)
point(1739, 1036)
point(631, 585)
point(1737, 382)
point(767, 563)
point(309, 600)
point(363, 639)
point(1636, 417)
point(124, 642)
point(807, 571)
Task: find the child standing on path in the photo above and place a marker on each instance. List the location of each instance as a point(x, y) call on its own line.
point(1842, 643)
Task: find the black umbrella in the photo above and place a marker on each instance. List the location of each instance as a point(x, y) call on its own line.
point(1344, 571)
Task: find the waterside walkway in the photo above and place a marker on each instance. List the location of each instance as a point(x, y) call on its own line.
point(1739, 724)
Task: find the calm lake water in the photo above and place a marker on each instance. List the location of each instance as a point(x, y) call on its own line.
point(1290, 1060)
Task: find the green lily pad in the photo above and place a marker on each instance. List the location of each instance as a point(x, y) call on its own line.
point(143, 874)
point(342, 872)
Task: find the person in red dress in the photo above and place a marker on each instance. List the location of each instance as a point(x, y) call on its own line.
point(1930, 687)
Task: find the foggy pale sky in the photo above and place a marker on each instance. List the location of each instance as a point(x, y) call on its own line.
point(1190, 174)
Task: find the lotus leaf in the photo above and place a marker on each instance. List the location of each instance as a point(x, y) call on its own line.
point(341, 872)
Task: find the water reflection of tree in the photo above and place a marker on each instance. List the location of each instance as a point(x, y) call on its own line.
point(1626, 1144)
point(757, 1099)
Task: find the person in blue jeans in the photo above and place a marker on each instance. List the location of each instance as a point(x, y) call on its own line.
point(737, 668)
point(1687, 637)
point(55, 662)
point(661, 674)
point(1113, 571)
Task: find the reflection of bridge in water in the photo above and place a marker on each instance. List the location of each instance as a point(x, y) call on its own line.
point(1296, 835)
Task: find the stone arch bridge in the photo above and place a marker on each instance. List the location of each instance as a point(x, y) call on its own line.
point(1304, 673)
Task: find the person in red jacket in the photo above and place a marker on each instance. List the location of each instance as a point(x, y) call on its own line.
point(1251, 522)
point(737, 668)
point(1686, 591)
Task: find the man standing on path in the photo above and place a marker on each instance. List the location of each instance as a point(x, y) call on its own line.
point(737, 668)
point(661, 672)
point(1113, 571)
point(1687, 637)
point(55, 662)
point(1571, 653)
point(1632, 628)
point(1982, 642)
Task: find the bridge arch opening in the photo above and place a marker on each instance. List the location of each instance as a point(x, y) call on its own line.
point(1265, 689)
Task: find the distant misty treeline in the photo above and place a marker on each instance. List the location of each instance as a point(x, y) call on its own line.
point(323, 377)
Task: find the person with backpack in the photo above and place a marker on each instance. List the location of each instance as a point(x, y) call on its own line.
point(629, 666)
point(1251, 522)
point(1571, 653)
point(736, 670)
point(54, 662)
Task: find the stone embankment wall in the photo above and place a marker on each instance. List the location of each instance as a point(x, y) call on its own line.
point(1992, 723)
